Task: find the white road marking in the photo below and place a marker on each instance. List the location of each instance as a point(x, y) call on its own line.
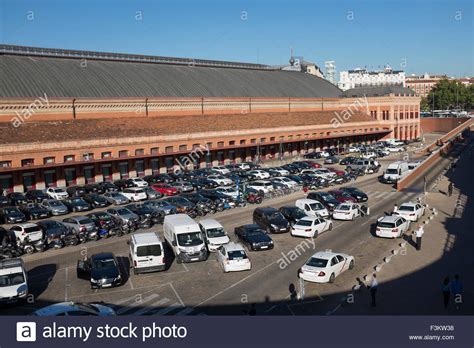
point(151, 307)
point(168, 309)
point(185, 311)
point(136, 303)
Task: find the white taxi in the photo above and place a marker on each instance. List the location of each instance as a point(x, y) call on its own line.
point(310, 226)
point(411, 211)
point(391, 226)
point(325, 266)
point(346, 211)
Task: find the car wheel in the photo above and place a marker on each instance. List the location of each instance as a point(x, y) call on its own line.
point(331, 278)
point(351, 264)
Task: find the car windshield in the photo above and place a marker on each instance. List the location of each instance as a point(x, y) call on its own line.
point(316, 206)
point(237, 255)
point(215, 232)
point(149, 250)
point(84, 221)
point(11, 210)
point(189, 239)
point(32, 229)
point(76, 200)
point(316, 262)
point(275, 215)
point(304, 223)
point(382, 224)
point(344, 207)
point(406, 208)
point(254, 232)
point(103, 216)
point(12, 279)
point(55, 204)
point(104, 263)
point(58, 190)
point(391, 171)
point(123, 211)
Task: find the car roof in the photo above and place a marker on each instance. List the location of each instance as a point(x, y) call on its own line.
point(309, 218)
point(327, 254)
point(102, 256)
point(267, 209)
point(210, 223)
point(232, 246)
point(58, 308)
point(409, 204)
point(390, 218)
point(146, 238)
point(307, 200)
point(28, 224)
point(250, 226)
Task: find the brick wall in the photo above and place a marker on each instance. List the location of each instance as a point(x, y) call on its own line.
point(442, 125)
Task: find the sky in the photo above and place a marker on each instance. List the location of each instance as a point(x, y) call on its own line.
point(417, 36)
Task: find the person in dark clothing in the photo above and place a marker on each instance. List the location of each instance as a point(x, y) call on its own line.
point(446, 291)
point(450, 189)
point(253, 310)
point(373, 289)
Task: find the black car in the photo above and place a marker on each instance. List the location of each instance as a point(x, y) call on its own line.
point(94, 188)
point(348, 160)
point(122, 184)
point(164, 208)
point(331, 160)
point(312, 155)
point(296, 178)
point(325, 198)
point(56, 232)
point(145, 212)
point(36, 196)
point(76, 191)
point(253, 237)
point(11, 215)
point(34, 211)
point(356, 193)
point(16, 198)
point(96, 200)
point(107, 186)
point(201, 202)
point(271, 220)
point(291, 168)
point(77, 204)
point(102, 270)
point(4, 201)
point(182, 205)
point(292, 213)
point(103, 220)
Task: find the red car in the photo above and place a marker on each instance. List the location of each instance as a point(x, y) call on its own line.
point(339, 172)
point(313, 164)
point(342, 196)
point(165, 189)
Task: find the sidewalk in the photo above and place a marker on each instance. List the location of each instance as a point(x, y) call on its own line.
point(411, 282)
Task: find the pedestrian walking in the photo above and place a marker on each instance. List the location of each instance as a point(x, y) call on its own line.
point(456, 290)
point(419, 234)
point(446, 292)
point(373, 289)
point(450, 189)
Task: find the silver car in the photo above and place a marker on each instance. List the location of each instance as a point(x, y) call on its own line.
point(55, 207)
point(182, 186)
point(152, 194)
point(116, 198)
point(161, 206)
point(80, 223)
point(123, 214)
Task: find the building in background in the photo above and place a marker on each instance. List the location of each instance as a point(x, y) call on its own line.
point(363, 78)
point(300, 65)
point(422, 84)
point(330, 66)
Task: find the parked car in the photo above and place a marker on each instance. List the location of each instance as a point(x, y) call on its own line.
point(254, 237)
point(138, 182)
point(310, 227)
point(36, 196)
point(152, 194)
point(145, 212)
point(161, 206)
point(56, 193)
point(183, 205)
point(325, 198)
point(271, 220)
point(96, 200)
point(331, 160)
point(391, 226)
point(74, 309)
point(261, 174)
point(348, 160)
point(116, 198)
point(57, 234)
point(14, 281)
point(411, 211)
point(16, 198)
point(292, 214)
point(263, 186)
point(221, 180)
point(346, 211)
point(80, 223)
point(30, 232)
point(232, 257)
point(214, 234)
point(107, 186)
point(325, 266)
point(312, 207)
point(55, 206)
point(11, 215)
point(77, 204)
point(102, 270)
point(123, 214)
point(182, 186)
point(357, 194)
point(34, 211)
point(76, 191)
point(342, 196)
point(122, 184)
point(94, 188)
point(4, 202)
point(165, 189)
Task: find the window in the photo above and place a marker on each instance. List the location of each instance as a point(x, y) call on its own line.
point(27, 162)
point(242, 142)
point(169, 149)
point(253, 141)
point(154, 150)
point(5, 164)
point(69, 158)
point(209, 145)
point(139, 152)
point(123, 153)
point(220, 144)
point(49, 160)
point(232, 142)
point(262, 140)
point(106, 154)
point(272, 138)
point(196, 146)
point(88, 156)
point(183, 147)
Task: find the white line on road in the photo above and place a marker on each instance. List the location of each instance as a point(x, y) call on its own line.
point(137, 303)
point(151, 307)
point(168, 309)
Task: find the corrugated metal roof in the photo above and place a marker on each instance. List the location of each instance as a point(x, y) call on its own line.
point(33, 76)
point(377, 91)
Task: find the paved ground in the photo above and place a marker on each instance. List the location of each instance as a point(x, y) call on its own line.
point(202, 288)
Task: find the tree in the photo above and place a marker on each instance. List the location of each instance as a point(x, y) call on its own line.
point(448, 95)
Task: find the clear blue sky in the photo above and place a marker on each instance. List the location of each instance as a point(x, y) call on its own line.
point(432, 36)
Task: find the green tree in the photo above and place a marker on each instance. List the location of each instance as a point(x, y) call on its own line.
point(448, 95)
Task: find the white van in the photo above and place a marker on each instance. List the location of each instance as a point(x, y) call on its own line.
point(395, 172)
point(185, 238)
point(14, 285)
point(312, 207)
point(146, 252)
point(214, 234)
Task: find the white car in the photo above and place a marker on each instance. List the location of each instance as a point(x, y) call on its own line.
point(395, 149)
point(243, 166)
point(28, 231)
point(353, 149)
point(221, 170)
point(214, 234)
point(285, 181)
point(233, 258)
point(411, 211)
point(391, 226)
point(261, 185)
point(56, 193)
point(228, 191)
point(135, 194)
point(74, 309)
point(280, 171)
point(259, 174)
point(325, 266)
point(312, 207)
point(324, 154)
point(346, 211)
point(220, 180)
point(369, 155)
point(310, 226)
point(138, 182)
point(14, 285)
